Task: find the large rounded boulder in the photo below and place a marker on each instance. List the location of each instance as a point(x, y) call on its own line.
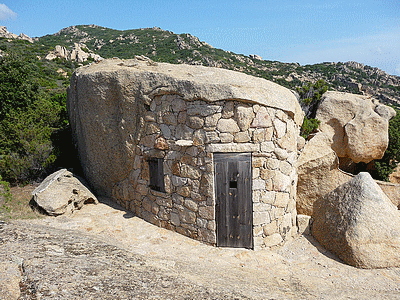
point(359, 223)
point(356, 125)
point(318, 173)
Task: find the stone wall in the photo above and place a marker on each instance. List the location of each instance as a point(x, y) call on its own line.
point(186, 134)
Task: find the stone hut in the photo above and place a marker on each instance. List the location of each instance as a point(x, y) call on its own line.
point(206, 152)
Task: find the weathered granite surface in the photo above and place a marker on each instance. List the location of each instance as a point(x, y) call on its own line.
point(62, 192)
point(356, 125)
point(104, 252)
point(48, 263)
point(358, 222)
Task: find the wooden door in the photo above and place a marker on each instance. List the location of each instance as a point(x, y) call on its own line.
point(234, 205)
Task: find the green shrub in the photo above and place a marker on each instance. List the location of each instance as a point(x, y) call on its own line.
point(384, 167)
point(309, 126)
point(32, 113)
point(18, 86)
point(312, 93)
point(25, 147)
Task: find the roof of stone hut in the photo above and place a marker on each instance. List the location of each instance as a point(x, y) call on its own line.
point(195, 82)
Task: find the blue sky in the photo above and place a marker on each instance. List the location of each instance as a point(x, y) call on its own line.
point(306, 32)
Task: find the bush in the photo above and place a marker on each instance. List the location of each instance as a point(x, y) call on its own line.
point(18, 86)
point(384, 167)
point(25, 146)
point(32, 117)
point(309, 126)
point(310, 96)
point(4, 192)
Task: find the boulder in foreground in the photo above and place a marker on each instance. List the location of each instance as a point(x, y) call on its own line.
point(358, 223)
point(62, 192)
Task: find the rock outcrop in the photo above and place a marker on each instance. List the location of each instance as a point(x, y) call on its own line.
point(255, 56)
point(62, 192)
point(8, 35)
point(77, 53)
point(356, 125)
point(358, 223)
point(319, 173)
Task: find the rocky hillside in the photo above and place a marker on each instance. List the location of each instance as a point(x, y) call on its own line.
point(166, 46)
point(88, 43)
point(5, 34)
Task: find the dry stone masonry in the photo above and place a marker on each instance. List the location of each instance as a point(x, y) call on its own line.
point(148, 134)
point(186, 134)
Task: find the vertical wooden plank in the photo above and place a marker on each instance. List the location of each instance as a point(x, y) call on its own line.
point(233, 211)
point(241, 192)
point(220, 182)
point(247, 201)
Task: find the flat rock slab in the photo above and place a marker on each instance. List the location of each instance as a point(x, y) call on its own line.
point(64, 265)
point(62, 192)
point(359, 223)
point(105, 252)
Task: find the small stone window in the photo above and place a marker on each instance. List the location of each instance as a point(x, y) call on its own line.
point(156, 172)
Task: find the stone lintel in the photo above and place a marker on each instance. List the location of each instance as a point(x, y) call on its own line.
point(233, 147)
point(184, 143)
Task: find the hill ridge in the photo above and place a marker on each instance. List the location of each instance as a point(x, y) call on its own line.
point(166, 46)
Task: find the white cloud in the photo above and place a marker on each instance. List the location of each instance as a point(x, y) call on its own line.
point(6, 13)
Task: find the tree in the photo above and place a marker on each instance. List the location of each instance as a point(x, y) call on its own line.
point(31, 119)
point(25, 146)
point(310, 97)
point(18, 86)
point(391, 157)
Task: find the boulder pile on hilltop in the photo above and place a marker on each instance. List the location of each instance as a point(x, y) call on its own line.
point(8, 35)
point(78, 53)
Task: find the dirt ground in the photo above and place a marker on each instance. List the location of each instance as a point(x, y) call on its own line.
point(76, 256)
point(18, 207)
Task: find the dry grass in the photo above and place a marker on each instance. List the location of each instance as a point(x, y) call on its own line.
point(19, 206)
